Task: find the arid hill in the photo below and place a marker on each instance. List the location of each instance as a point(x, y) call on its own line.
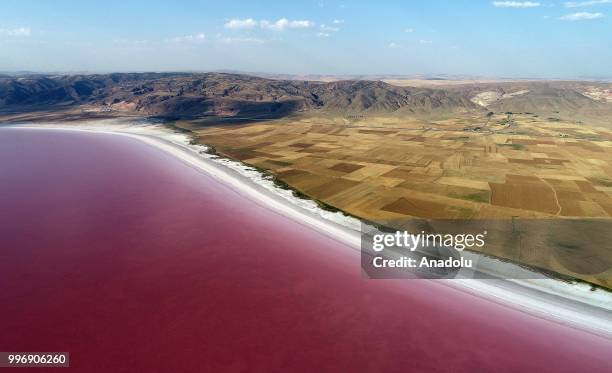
point(189, 95)
point(563, 99)
point(242, 96)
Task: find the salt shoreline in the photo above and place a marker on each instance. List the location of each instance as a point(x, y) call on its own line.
point(572, 305)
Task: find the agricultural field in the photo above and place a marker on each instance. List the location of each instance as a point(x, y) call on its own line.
point(388, 169)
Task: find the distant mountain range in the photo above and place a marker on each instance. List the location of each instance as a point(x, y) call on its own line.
point(237, 95)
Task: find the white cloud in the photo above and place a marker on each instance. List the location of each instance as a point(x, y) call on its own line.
point(16, 32)
point(337, 21)
point(325, 28)
point(394, 45)
point(241, 23)
point(573, 4)
point(239, 40)
point(325, 31)
point(300, 24)
point(423, 41)
point(199, 37)
point(516, 4)
point(409, 30)
point(284, 23)
point(279, 25)
point(130, 42)
point(581, 16)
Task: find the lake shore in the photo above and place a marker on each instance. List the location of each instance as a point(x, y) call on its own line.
point(574, 305)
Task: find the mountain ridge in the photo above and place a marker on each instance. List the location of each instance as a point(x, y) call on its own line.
point(181, 94)
point(185, 94)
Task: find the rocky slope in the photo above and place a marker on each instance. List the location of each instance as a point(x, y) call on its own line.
point(224, 95)
point(244, 96)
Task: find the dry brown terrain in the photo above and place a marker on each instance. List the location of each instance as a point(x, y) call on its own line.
point(388, 169)
point(523, 166)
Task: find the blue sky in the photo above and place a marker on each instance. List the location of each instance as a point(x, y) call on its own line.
point(486, 38)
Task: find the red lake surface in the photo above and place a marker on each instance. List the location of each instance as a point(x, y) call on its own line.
point(132, 261)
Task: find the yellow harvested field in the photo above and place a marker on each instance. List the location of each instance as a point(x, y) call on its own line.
point(389, 170)
point(463, 182)
point(531, 167)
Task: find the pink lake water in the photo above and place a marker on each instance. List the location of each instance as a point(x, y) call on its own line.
point(134, 262)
